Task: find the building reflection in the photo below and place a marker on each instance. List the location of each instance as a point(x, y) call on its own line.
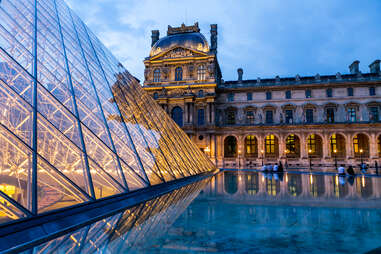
point(292, 186)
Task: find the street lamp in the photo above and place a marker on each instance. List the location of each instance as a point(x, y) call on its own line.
point(335, 155)
point(286, 164)
point(309, 156)
point(207, 150)
point(262, 156)
point(361, 151)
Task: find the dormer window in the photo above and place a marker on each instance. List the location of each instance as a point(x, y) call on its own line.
point(156, 75)
point(201, 72)
point(178, 74)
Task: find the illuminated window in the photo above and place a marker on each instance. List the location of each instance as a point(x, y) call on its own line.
point(337, 143)
point(251, 146)
point(270, 142)
point(291, 144)
point(311, 143)
point(156, 75)
point(178, 74)
point(201, 71)
point(361, 145)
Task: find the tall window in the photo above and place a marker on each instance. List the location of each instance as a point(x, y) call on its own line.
point(155, 95)
point(350, 91)
point(309, 115)
point(269, 116)
point(230, 117)
point(201, 93)
point(291, 144)
point(361, 145)
point(330, 115)
point(249, 96)
point(311, 144)
point(337, 143)
point(373, 114)
point(201, 72)
point(201, 117)
point(308, 93)
point(156, 75)
point(178, 74)
point(230, 146)
point(268, 95)
point(230, 97)
point(251, 146)
point(351, 114)
point(177, 115)
point(329, 92)
point(249, 117)
point(372, 91)
point(288, 94)
point(289, 117)
point(270, 145)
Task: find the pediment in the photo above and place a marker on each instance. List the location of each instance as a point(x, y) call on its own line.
point(178, 52)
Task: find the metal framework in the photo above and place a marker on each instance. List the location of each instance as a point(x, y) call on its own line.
point(75, 126)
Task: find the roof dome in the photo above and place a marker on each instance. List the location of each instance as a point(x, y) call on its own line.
point(195, 41)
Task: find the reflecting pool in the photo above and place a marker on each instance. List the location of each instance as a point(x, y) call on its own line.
point(243, 212)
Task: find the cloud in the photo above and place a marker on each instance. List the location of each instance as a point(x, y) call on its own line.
point(266, 38)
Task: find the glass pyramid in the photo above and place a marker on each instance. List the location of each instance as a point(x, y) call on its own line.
point(75, 126)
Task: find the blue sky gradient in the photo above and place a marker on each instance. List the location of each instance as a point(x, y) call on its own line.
point(264, 37)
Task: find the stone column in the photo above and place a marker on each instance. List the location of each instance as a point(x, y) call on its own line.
point(303, 148)
point(348, 146)
point(373, 153)
point(326, 146)
point(212, 121)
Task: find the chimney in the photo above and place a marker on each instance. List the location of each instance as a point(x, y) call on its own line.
point(155, 36)
point(240, 73)
point(375, 67)
point(213, 38)
point(354, 67)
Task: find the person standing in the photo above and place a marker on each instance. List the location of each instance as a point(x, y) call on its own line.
point(341, 170)
point(350, 170)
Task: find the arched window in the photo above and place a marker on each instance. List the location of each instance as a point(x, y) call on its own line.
point(230, 146)
point(179, 74)
point(177, 115)
point(293, 146)
point(361, 145)
point(156, 75)
point(271, 146)
point(201, 72)
point(155, 95)
point(251, 146)
point(315, 145)
point(337, 142)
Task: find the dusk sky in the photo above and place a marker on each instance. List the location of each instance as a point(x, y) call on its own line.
point(264, 37)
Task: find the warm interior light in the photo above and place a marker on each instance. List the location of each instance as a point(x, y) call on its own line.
point(361, 150)
point(207, 149)
point(335, 151)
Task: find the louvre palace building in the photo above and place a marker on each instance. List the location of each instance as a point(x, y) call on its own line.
point(304, 121)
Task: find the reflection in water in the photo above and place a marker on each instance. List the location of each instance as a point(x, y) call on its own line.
point(285, 187)
point(126, 231)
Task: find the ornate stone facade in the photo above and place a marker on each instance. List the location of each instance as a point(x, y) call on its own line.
point(319, 120)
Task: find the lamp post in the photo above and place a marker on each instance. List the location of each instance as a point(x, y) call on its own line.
point(361, 151)
point(335, 155)
point(262, 156)
point(309, 156)
point(207, 151)
point(286, 164)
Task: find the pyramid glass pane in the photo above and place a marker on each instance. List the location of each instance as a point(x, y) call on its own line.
point(75, 125)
